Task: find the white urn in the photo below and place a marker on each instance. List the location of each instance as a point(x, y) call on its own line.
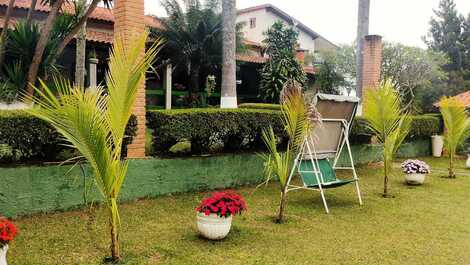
point(415, 178)
point(3, 255)
point(213, 226)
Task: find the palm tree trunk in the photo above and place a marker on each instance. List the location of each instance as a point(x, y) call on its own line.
point(40, 47)
point(76, 29)
point(229, 83)
point(80, 57)
point(3, 35)
point(113, 224)
point(194, 78)
point(282, 206)
point(451, 166)
point(362, 31)
point(385, 194)
point(32, 7)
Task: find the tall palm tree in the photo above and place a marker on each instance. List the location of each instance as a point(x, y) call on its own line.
point(299, 118)
point(11, 5)
point(80, 49)
point(457, 128)
point(362, 31)
point(388, 121)
point(193, 34)
point(229, 87)
point(94, 121)
point(32, 8)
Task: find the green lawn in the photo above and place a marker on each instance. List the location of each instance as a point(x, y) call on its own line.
point(429, 224)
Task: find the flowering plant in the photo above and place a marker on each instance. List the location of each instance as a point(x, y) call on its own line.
point(223, 204)
point(7, 232)
point(412, 166)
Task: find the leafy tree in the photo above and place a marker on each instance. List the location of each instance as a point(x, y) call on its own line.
point(282, 64)
point(388, 121)
point(94, 121)
point(193, 34)
point(299, 119)
point(457, 127)
point(329, 79)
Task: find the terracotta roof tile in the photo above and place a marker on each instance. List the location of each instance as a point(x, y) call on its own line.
point(99, 13)
point(251, 58)
point(463, 97)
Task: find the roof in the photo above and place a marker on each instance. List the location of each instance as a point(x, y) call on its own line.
point(99, 13)
point(463, 97)
point(287, 17)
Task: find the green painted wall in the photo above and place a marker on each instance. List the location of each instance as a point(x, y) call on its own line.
point(26, 190)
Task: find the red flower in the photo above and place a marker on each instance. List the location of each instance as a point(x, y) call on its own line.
point(223, 204)
point(7, 231)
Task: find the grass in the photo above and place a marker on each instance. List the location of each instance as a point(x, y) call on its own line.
point(426, 224)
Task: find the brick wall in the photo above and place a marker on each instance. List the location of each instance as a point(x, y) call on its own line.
point(371, 62)
point(129, 22)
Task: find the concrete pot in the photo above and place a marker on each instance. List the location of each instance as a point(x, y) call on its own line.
point(3, 255)
point(437, 145)
point(415, 178)
point(213, 226)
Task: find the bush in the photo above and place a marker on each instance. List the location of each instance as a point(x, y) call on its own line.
point(260, 106)
point(212, 130)
point(25, 138)
point(422, 126)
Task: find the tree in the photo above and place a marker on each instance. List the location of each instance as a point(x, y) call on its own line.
point(362, 31)
point(229, 68)
point(299, 118)
point(282, 64)
point(45, 32)
point(94, 121)
point(388, 121)
point(329, 78)
point(193, 34)
point(32, 8)
point(80, 53)
point(6, 24)
point(457, 127)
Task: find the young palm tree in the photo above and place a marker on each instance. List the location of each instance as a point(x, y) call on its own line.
point(388, 121)
point(229, 86)
point(457, 127)
point(94, 121)
point(298, 118)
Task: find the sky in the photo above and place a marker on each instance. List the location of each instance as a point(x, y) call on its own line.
point(404, 21)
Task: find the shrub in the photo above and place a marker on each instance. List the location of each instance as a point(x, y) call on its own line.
point(421, 126)
point(260, 106)
point(212, 130)
point(24, 137)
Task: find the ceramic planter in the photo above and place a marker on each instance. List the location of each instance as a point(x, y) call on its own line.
point(3, 255)
point(213, 226)
point(437, 145)
point(415, 178)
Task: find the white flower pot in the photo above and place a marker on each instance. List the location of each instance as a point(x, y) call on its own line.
point(213, 226)
point(3, 255)
point(437, 145)
point(415, 178)
point(468, 162)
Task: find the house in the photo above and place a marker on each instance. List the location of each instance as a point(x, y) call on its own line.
point(463, 98)
point(259, 19)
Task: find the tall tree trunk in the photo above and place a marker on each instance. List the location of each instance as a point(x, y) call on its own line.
point(451, 165)
point(386, 165)
point(229, 83)
point(41, 46)
point(80, 57)
point(10, 8)
point(362, 31)
point(75, 29)
point(194, 78)
point(282, 206)
point(32, 7)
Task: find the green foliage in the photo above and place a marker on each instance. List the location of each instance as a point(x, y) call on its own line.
point(329, 79)
point(457, 127)
point(235, 129)
point(260, 106)
point(94, 121)
point(282, 64)
point(387, 121)
point(193, 34)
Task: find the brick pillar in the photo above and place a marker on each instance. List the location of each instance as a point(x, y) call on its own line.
point(372, 62)
point(128, 23)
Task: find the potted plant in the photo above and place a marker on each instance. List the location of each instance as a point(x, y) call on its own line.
point(7, 233)
point(415, 171)
point(214, 214)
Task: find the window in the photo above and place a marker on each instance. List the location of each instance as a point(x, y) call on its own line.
point(252, 22)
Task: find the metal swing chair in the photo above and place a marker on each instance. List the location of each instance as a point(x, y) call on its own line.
point(317, 160)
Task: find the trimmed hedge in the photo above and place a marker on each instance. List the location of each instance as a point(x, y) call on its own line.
point(212, 130)
point(260, 106)
point(225, 130)
point(421, 126)
point(27, 138)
